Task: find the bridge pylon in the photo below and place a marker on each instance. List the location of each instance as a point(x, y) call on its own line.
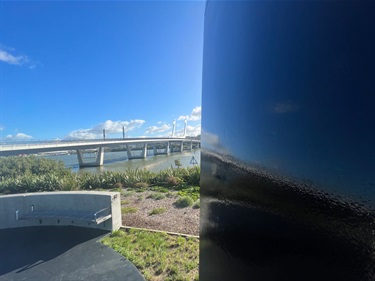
point(98, 161)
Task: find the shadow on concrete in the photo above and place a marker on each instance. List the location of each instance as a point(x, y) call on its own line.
point(60, 253)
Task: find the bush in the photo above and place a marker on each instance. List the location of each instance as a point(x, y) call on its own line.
point(129, 210)
point(11, 167)
point(184, 201)
point(69, 183)
point(173, 181)
point(157, 211)
point(192, 176)
point(193, 192)
point(33, 174)
point(30, 183)
point(141, 185)
point(130, 177)
point(157, 196)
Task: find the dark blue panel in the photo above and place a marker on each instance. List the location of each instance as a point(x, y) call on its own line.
point(288, 159)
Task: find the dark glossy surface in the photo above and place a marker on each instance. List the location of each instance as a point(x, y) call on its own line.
point(288, 143)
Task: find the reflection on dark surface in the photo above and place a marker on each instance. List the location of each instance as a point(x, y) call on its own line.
point(288, 143)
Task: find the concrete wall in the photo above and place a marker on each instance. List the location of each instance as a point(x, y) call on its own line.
point(71, 200)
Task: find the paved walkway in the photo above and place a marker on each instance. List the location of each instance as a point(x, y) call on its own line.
point(49, 253)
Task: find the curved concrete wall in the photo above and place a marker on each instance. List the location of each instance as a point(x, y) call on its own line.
point(68, 201)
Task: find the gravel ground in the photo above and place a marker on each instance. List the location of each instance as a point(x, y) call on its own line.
point(181, 220)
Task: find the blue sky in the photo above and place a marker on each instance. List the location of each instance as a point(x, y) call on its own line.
point(71, 69)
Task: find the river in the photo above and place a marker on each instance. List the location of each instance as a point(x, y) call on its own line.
point(118, 161)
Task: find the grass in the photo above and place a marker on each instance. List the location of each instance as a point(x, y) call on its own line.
point(159, 189)
point(157, 196)
point(157, 211)
point(158, 256)
point(184, 201)
point(128, 193)
point(191, 191)
point(125, 202)
point(128, 210)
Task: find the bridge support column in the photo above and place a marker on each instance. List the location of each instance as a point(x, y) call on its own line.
point(131, 155)
point(144, 151)
point(129, 151)
point(98, 161)
point(178, 146)
point(161, 150)
point(187, 146)
point(198, 145)
point(190, 146)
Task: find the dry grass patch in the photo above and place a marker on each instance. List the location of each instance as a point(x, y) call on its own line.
point(129, 210)
point(158, 211)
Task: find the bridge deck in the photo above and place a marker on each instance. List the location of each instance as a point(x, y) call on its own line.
point(30, 148)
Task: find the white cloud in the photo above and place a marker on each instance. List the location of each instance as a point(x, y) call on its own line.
point(156, 129)
point(191, 131)
point(110, 127)
point(19, 136)
point(195, 115)
point(2, 127)
point(82, 134)
point(11, 59)
point(183, 117)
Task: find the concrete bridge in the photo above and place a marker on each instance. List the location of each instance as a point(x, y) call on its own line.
point(136, 148)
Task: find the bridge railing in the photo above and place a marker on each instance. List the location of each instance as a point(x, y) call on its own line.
point(49, 142)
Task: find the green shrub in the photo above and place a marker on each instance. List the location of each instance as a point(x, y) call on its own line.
point(173, 181)
point(118, 185)
point(129, 210)
point(125, 202)
point(184, 201)
point(157, 196)
point(157, 211)
point(69, 183)
point(192, 175)
point(142, 185)
point(11, 167)
point(128, 193)
point(33, 174)
point(177, 162)
point(193, 192)
point(131, 177)
point(159, 189)
point(30, 183)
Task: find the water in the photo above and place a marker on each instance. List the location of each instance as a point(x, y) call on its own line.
point(118, 161)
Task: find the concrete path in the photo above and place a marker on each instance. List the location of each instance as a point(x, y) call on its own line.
point(61, 253)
